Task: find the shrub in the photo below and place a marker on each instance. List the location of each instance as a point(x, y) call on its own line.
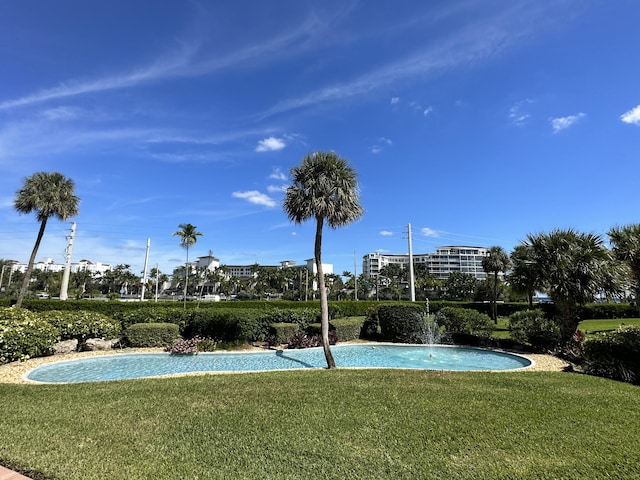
point(531, 327)
point(82, 324)
point(191, 346)
point(152, 334)
point(371, 325)
point(225, 324)
point(300, 340)
point(347, 328)
point(281, 332)
point(614, 355)
point(24, 335)
point(402, 323)
point(465, 322)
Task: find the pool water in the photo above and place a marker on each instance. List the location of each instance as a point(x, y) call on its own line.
point(140, 365)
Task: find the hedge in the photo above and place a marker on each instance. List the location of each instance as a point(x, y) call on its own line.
point(81, 325)
point(282, 332)
point(531, 327)
point(24, 335)
point(152, 334)
point(402, 323)
point(465, 322)
point(348, 328)
point(614, 354)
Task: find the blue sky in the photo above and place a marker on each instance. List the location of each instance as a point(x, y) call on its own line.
point(476, 122)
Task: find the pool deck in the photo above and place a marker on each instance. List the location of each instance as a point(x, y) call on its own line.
point(6, 474)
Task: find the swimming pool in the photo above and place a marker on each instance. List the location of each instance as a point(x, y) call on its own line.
point(141, 365)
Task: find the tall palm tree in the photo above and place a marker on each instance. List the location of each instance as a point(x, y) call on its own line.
point(188, 236)
point(323, 187)
point(524, 277)
point(625, 243)
point(495, 262)
point(573, 267)
point(48, 194)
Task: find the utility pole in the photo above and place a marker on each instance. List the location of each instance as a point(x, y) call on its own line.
point(412, 284)
point(2, 276)
point(64, 287)
point(144, 270)
point(355, 277)
point(157, 281)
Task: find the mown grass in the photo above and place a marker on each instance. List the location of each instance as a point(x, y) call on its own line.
point(605, 325)
point(346, 424)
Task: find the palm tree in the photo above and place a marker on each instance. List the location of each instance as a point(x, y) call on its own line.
point(188, 236)
point(495, 262)
point(323, 187)
point(524, 276)
point(573, 267)
point(625, 242)
point(48, 195)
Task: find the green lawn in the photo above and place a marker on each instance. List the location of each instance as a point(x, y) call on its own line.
point(604, 325)
point(345, 424)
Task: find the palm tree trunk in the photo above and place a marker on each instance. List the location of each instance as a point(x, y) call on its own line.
point(324, 305)
point(494, 307)
point(32, 259)
point(186, 280)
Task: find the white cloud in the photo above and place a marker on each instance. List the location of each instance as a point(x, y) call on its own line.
point(517, 113)
point(632, 116)
point(385, 140)
point(429, 232)
point(427, 111)
point(386, 233)
point(375, 149)
point(394, 100)
point(277, 175)
point(270, 144)
point(277, 188)
point(253, 196)
point(562, 123)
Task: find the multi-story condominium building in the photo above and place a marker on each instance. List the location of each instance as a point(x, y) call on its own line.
point(49, 265)
point(441, 264)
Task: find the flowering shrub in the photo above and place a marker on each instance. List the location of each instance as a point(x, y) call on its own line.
point(24, 335)
point(191, 346)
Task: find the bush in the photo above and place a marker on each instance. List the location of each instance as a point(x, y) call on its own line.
point(82, 324)
point(281, 332)
point(347, 328)
point(24, 335)
point(152, 334)
point(226, 324)
point(465, 322)
point(531, 327)
point(614, 355)
point(300, 340)
point(402, 323)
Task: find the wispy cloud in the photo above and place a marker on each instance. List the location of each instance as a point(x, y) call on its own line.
point(380, 144)
point(518, 114)
point(270, 144)
point(561, 123)
point(632, 116)
point(474, 43)
point(256, 197)
point(429, 232)
point(277, 174)
point(394, 100)
point(386, 233)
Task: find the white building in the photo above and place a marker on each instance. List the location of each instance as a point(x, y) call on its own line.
point(441, 264)
point(48, 265)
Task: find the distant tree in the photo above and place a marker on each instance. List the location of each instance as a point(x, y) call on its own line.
point(188, 236)
point(496, 261)
point(524, 277)
point(573, 267)
point(323, 187)
point(48, 195)
point(460, 286)
point(625, 245)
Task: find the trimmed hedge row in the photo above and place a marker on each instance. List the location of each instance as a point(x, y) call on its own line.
point(152, 334)
point(82, 325)
point(614, 355)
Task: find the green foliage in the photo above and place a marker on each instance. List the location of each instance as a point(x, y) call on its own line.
point(281, 332)
point(531, 327)
point(607, 310)
point(152, 334)
point(614, 354)
point(24, 335)
point(82, 324)
point(465, 321)
point(348, 328)
point(402, 323)
point(227, 325)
